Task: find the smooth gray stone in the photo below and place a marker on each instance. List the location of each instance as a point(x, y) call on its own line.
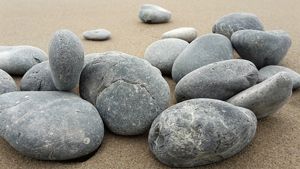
point(200, 131)
point(50, 125)
point(233, 22)
point(220, 80)
point(7, 83)
point(38, 78)
point(66, 58)
point(127, 91)
point(185, 33)
point(260, 47)
point(150, 13)
point(202, 51)
point(91, 57)
point(162, 53)
point(98, 34)
point(16, 60)
point(266, 97)
point(269, 71)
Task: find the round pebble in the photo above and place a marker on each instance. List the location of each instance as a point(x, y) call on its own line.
point(150, 13)
point(98, 34)
point(7, 83)
point(185, 33)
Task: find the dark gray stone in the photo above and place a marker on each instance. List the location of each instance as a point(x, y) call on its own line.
point(98, 34)
point(185, 33)
point(266, 97)
point(261, 48)
point(66, 58)
point(17, 60)
point(162, 53)
point(7, 83)
point(127, 91)
point(38, 78)
point(233, 22)
point(202, 51)
point(150, 13)
point(200, 131)
point(220, 80)
point(50, 125)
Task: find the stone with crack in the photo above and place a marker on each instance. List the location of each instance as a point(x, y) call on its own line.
point(7, 83)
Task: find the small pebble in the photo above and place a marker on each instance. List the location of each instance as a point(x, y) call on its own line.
point(185, 33)
point(7, 83)
point(150, 13)
point(98, 34)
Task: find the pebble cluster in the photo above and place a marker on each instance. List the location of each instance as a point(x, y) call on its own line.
point(219, 98)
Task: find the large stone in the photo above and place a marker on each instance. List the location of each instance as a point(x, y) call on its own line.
point(200, 131)
point(220, 80)
point(50, 125)
point(91, 57)
point(150, 13)
point(260, 47)
point(185, 33)
point(98, 34)
point(266, 97)
point(16, 60)
point(202, 51)
point(7, 83)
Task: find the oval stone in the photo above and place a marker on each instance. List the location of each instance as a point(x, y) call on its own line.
point(185, 33)
point(7, 83)
point(150, 13)
point(98, 34)
point(199, 132)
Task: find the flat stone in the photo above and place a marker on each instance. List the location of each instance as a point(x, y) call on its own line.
point(150, 13)
point(162, 53)
point(7, 83)
point(50, 125)
point(266, 97)
point(38, 78)
point(199, 132)
point(202, 51)
point(16, 60)
point(233, 22)
point(98, 34)
point(269, 71)
point(66, 58)
point(220, 80)
point(260, 47)
point(185, 33)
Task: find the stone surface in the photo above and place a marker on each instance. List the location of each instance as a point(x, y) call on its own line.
point(16, 60)
point(7, 83)
point(38, 78)
point(185, 33)
point(268, 71)
point(150, 13)
point(266, 97)
point(50, 125)
point(233, 22)
point(66, 58)
point(260, 47)
point(220, 80)
point(127, 91)
point(200, 131)
point(202, 51)
point(90, 57)
point(162, 53)
point(98, 34)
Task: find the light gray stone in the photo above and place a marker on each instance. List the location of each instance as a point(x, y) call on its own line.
point(185, 33)
point(202, 51)
point(150, 13)
point(200, 131)
point(260, 47)
point(7, 83)
point(91, 57)
point(266, 97)
point(16, 60)
point(98, 34)
point(50, 125)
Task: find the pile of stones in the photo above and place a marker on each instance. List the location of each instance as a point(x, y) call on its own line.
point(219, 98)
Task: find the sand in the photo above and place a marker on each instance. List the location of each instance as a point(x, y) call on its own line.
point(32, 22)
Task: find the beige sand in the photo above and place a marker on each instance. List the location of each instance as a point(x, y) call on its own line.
point(32, 22)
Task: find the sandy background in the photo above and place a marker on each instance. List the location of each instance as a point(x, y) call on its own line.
point(32, 22)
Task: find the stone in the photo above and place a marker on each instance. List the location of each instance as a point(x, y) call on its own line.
point(98, 34)
point(127, 91)
point(162, 53)
point(150, 13)
point(269, 71)
point(38, 78)
point(220, 80)
point(16, 60)
point(200, 131)
point(50, 125)
point(202, 51)
point(260, 47)
point(7, 83)
point(66, 59)
point(91, 57)
point(185, 33)
point(233, 22)
point(266, 97)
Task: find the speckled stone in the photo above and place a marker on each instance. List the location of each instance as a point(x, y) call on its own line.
point(200, 131)
point(98, 34)
point(260, 47)
point(91, 57)
point(266, 97)
point(150, 13)
point(50, 125)
point(185, 33)
point(7, 83)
